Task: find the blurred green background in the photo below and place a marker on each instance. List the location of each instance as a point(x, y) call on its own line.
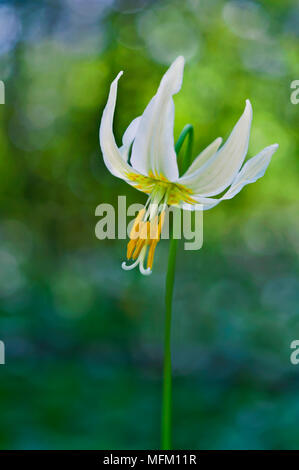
point(84, 338)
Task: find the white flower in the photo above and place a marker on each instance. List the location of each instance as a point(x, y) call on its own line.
point(153, 165)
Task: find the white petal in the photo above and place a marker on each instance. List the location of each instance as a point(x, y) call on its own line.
point(128, 138)
point(220, 170)
point(205, 202)
point(131, 131)
point(252, 170)
point(153, 148)
point(112, 156)
point(203, 157)
point(125, 151)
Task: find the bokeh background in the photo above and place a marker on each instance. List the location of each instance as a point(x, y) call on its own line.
point(84, 338)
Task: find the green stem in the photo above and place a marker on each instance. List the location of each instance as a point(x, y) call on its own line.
point(167, 379)
point(167, 376)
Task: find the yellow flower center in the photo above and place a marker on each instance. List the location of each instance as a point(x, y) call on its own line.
point(176, 192)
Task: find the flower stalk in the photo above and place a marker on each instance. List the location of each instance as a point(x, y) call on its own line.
point(170, 278)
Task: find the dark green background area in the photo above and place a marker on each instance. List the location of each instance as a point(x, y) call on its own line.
point(84, 338)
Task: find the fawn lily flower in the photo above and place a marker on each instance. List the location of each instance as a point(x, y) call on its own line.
point(153, 165)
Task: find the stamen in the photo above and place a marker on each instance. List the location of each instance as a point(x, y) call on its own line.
point(154, 229)
point(131, 247)
point(141, 240)
point(151, 253)
point(145, 233)
point(161, 222)
point(140, 244)
point(144, 230)
point(134, 229)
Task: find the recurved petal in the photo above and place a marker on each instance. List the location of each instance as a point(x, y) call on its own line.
point(131, 131)
point(113, 159)
point(128, 138)
point(252, 170)
point(202, 203)
point(124, 150)
point(153, 148)
point(203, 157)
point(221, 169)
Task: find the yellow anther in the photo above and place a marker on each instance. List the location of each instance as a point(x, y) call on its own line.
point(151, 253)
point(134, 232)
point(154, 229)
point(161, 222)
point(130, 248)
point(144, 230)
point(139, 245)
